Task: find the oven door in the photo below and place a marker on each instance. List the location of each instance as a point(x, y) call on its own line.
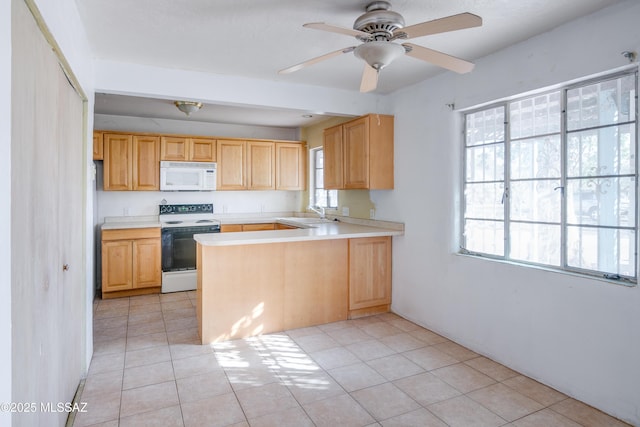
point(179, 248)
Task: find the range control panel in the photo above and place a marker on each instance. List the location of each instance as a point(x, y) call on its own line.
point(186, 209)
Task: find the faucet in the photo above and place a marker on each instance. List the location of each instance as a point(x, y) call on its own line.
point(319, 210)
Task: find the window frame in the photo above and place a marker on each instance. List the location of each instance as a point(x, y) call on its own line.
point(312, 180)
point(564, 133)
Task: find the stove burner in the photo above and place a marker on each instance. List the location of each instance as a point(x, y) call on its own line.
point(204, 221)
point(173, 222)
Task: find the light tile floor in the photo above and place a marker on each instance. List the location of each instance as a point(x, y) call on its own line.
point(148, 369)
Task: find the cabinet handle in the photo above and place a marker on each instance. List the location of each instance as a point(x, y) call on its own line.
point(65, 267)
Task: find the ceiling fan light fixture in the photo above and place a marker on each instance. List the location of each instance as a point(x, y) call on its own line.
point(379, 54)
point(188, 107)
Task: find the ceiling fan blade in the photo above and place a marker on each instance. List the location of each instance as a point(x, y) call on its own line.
point(315, 60)
point(369, 79)
point(335, 29)
point(438, 58)
point(442, 25)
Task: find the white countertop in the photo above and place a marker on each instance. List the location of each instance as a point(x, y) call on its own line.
point(122, 222)
point(322, 231)
point(345, 228)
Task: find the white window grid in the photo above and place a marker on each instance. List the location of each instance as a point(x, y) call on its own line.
point(318, 195)
point(507, 181)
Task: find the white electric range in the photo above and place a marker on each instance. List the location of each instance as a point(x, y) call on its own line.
point(178, 225)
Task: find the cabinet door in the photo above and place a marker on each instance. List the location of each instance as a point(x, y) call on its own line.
point(369, 272)
point(290, 166)
point(356, 153)
point(260, 165)
point(116, 265)
point(146, 163)
point(333, 158)
point(147, 268)
point(202, 150)
point(174, 148)
point(117, 162)
point(231, 165)
point(97, 146)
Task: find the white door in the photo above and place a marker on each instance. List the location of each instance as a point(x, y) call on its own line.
point(46, 225)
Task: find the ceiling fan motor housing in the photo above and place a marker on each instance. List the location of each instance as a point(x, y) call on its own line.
point(379, 21)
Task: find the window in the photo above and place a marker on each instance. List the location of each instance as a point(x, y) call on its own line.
point(551, 179)
point(318, 196)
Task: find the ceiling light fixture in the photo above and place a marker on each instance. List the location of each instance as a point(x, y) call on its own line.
point(188, 107)
point(379, 54)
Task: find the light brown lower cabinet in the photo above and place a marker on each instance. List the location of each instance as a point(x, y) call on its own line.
point(131, 262)
point(369, 275)
point(230, 228)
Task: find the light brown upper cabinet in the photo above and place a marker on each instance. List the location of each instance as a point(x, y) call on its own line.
point(290, 166)
point(261, 165)
point(118, 163)
point(232, 174)
point(146, 163)
point(181, 148)
point(333, 155)
point(131, 162)
point(97, 146)
point(359, 154)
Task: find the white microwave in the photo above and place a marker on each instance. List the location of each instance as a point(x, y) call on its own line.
point(187, 176)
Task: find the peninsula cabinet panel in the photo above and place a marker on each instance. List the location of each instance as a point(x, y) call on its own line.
point(231, 165)
point(240, 291)
point(118, 162)
point(333, 158)
point(260, 165)
point(313, 293)
point(250, 290)
point(369, 272)
point(290, 166)
point(146, 163)
point(97, 146)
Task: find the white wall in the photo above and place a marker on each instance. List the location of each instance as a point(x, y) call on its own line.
point(236, 203)
point(5, 213)
point(581, 336)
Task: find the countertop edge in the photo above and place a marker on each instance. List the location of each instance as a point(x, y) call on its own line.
point(297, 235)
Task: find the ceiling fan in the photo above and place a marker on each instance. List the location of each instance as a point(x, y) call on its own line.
point(378, 28)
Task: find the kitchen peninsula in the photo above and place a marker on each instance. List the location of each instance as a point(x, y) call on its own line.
point(269, 281)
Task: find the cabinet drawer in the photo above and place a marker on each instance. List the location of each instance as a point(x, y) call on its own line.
point(131, 233)
point(258, 227)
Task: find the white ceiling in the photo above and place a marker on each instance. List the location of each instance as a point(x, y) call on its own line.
point(256, 38)
point(122, 105)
